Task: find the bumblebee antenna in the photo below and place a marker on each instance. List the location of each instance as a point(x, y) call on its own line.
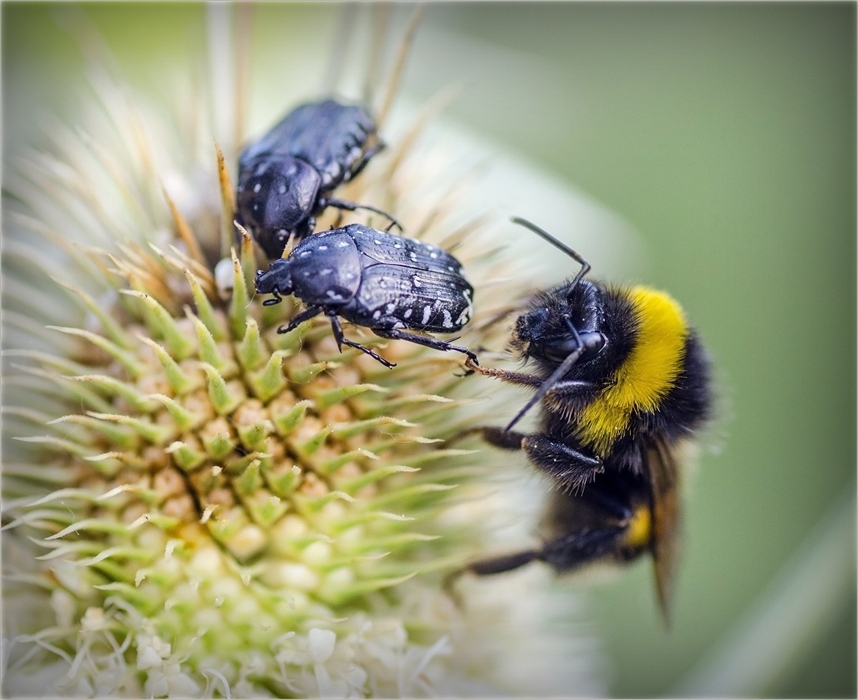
point(555, 377)
point(572, 357)
point(585, 266)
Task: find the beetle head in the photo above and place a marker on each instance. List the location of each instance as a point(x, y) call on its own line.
point(276, 280)
point(276, 196)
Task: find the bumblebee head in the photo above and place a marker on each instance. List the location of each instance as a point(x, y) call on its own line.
point(562, 321)
point(570, 330)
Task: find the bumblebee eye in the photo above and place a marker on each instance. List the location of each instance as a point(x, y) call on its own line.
point(558, 349)
point(593, 344)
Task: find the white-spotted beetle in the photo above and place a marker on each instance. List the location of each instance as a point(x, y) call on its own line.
point(387, 283)
point(285, 177)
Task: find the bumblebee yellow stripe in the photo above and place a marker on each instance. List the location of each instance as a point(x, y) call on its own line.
point(647, 374)
point(638, 535)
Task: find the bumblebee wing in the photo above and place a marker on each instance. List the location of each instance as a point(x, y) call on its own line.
point(666, 520)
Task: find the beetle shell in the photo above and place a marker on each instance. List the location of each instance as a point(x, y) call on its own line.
point(284, 176)
point(326, 268)
point(327, 135)
point(380, 280)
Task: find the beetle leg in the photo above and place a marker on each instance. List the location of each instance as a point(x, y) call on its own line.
point(337, 330)
point(296, 321)
point(342, 340)
point(271, 302)
point(307, 229)
point(429, 342)
point(365, 158)
point(352, 206)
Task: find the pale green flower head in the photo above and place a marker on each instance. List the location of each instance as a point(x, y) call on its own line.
point(196, 505)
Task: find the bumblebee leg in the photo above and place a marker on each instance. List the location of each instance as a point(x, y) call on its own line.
point(617, 509)
point(501, 438)
point(570, 395)
point(565, 464)
point(429, 342)
point(506, 562)
point(342, 340)
point(297, 320)
point(518, 378)
point(571, 551)
point(562, 554)
point(487, 567)
point(497, 437)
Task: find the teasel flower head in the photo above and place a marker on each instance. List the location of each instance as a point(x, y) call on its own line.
point(196, 505)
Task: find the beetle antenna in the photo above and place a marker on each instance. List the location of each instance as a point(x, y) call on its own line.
point(585, 266)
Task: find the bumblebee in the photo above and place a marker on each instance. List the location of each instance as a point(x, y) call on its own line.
point(623, 383)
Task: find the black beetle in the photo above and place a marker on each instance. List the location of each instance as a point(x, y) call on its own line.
point(285, 177)
point(376, 279)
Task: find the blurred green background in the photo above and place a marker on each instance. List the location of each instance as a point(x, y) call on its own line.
point(726, 135)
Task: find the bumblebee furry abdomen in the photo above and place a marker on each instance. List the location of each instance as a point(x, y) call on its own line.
point(612, 520)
